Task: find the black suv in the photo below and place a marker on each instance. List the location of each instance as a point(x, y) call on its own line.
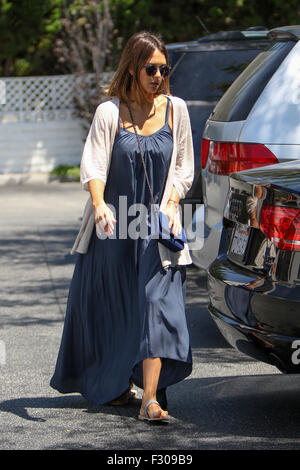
point(202, 70)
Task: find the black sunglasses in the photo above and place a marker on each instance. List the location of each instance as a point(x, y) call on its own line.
point(151, 70)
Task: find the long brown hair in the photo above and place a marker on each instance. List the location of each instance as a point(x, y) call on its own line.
point(135, 54)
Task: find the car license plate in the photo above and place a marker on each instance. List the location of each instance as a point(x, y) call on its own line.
point(240, 240)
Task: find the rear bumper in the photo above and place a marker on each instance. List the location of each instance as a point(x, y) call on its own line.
point(261, 322)
point(272, 349)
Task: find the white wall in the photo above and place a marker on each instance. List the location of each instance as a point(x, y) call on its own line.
point(37, 147)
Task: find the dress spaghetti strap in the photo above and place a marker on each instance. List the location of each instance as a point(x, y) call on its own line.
point(168, 110)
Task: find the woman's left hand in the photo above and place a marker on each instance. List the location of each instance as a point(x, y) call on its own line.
point(171, 211)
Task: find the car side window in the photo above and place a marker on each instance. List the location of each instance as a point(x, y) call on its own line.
point(206, 75)
point(237, 103)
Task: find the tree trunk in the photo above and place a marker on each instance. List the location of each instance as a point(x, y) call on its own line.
point(7, 66)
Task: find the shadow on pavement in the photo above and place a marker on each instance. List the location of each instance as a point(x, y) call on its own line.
point(235, 410)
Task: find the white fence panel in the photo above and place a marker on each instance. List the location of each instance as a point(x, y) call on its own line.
point(38, 126)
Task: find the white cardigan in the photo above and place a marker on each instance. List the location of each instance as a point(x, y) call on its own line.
point(95, 164)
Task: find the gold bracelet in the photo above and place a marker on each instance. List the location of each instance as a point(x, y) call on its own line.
point(172, 200)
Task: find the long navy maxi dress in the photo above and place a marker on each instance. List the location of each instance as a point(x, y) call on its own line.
point(123, 306)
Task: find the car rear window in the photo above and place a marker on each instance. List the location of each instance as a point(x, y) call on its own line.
point(206, 75)
point(238, 101)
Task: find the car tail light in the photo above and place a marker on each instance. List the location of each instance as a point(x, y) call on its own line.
point(282, 226)
point(229, 157)
point(204, 151)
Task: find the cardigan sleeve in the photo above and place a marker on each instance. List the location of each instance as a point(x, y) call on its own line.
point(94, 161)
point(184, 168)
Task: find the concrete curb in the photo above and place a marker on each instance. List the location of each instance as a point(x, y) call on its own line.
point(31, 178)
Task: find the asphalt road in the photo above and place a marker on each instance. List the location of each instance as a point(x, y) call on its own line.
point(229, 401)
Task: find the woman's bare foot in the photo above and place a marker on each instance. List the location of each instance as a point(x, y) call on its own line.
point(154, 410)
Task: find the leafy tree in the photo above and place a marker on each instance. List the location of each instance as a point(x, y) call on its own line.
point(83, 49)
point(183, 20)
point(26, 31)
point(28, 28)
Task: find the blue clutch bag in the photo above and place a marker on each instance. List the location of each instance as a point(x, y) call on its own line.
point(166, 237)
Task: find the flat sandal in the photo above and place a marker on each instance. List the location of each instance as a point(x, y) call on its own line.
point(146, 416)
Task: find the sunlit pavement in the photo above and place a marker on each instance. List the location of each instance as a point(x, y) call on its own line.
point(229, 401)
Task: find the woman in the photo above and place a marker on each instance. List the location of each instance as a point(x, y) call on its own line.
point(125, 321)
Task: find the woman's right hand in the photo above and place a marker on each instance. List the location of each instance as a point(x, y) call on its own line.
point(104, 218)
